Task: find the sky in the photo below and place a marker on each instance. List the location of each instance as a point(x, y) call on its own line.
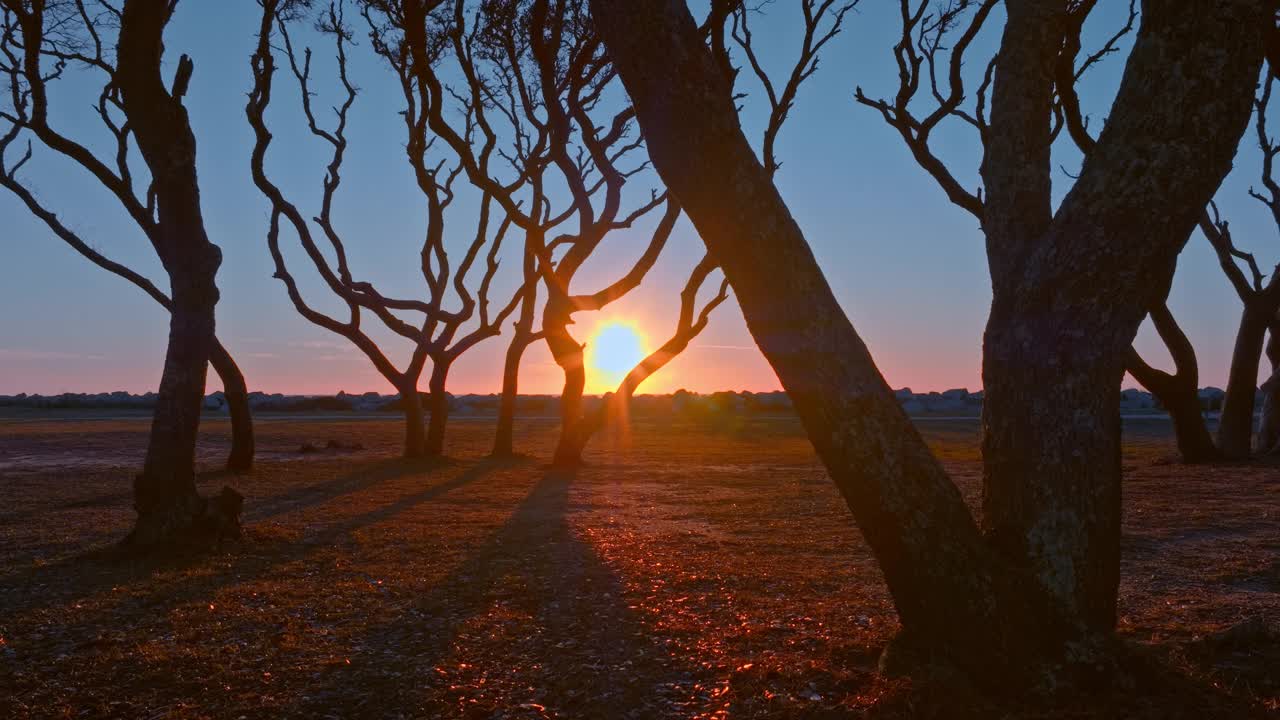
point(907, 266)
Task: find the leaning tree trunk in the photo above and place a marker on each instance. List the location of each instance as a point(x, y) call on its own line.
point(1269, 426)
point(439, 400)
point(237, 393)
point(1182, 401)
point(950, 591)
point(1235, 429)
point(169, 507)
point(504, 437)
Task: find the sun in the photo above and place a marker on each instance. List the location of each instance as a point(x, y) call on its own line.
point(615, 348)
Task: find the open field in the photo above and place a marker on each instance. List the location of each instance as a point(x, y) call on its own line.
point(687, 571)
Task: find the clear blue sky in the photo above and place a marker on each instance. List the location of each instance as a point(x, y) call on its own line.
point(907, 266)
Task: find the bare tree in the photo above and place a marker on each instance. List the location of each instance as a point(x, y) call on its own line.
point(930, 55)
point(1261, 298)
point(41, 38)
point(1269, 425)
point(240, 458)
point(438, 336)
point(689, 324)
point(522, 337)
point(535, 77)
point(1259, 295)
point(1070, 287)
point(728, 26)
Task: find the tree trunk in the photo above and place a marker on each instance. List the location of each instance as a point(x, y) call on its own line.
point(950, 590)
point(1195, 444)
point(1181, 400)
point(944, 583)
point(439, 407)
point(169, 507)
point(1178, 393)
point(504, 437)
point(1269, 427)
point(1070, 286)
point(568, 354)
point(165, 493)
point(415, 444)
point(237, 393)
point(1235, 429)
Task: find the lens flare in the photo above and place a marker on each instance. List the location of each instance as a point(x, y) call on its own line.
point(614, 349)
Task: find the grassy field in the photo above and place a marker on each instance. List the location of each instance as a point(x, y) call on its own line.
point(686, 571)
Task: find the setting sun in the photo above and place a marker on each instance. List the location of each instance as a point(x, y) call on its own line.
point(614, 348)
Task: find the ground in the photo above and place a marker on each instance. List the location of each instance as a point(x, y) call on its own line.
point(705, 570)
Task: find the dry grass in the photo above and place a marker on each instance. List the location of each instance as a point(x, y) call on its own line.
point(686, 572)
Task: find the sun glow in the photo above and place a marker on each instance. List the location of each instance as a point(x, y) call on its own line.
point(614, 348)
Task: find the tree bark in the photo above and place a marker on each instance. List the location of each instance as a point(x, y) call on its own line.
point(439, 400)
point(949, 589)
point(1071, 287)
point(235, 389)
point(568, 354)
point(944, 582)
point(1177, 392)
point(1235, 429)
point(1269, 426)
point(168, 505)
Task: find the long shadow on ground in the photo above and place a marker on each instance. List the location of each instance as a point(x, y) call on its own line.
point(532, 623)
point(81, 576)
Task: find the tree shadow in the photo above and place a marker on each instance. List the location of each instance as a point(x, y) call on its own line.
point(363, 478)
point(532, 621)
point(88, 573)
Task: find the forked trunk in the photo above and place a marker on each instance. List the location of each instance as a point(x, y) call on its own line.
point(415, 439)
point(1179, 397)
point(1178, 392)
point(1195, 444)
point(1235, 429)
point(439, 407)
point(1071, 284)
point(235, 389)
point(169, 507)
point(1001, 622)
